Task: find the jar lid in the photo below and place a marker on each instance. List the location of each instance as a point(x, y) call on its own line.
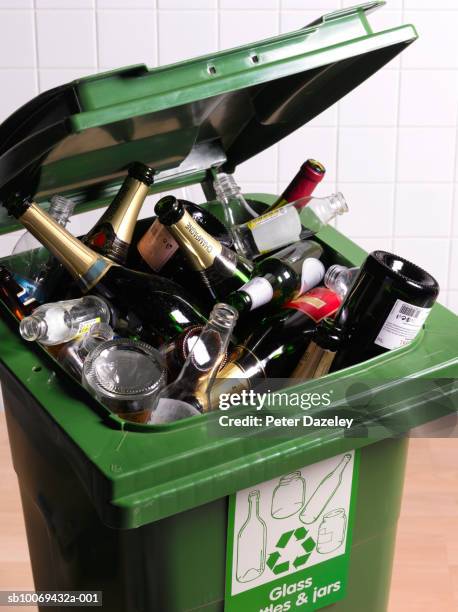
point(124, 369)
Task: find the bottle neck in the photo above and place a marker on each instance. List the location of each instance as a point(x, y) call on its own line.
point(81, 262)
point(33, 328)
point(200, 247)
point(123, 212)
point(61, 209)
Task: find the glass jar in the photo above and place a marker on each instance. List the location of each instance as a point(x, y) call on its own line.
point(289, 496)
point(331, 533)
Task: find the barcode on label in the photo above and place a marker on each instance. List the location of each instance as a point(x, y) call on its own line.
point(410, 311)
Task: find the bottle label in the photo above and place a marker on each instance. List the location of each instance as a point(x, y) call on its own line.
point(275, 229)
point(312, 273)
point(260, 291)
point(402, 325)
point(318, 303)
point(85, 326)
point(157, 246)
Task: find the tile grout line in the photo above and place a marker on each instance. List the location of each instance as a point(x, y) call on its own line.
point(398, 139)
point(156, 18)
point(277, 145)
point(453, 212)
point(337, 144)
point(37, 56)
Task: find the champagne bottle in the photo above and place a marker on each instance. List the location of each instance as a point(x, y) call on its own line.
point(251, 543)
point(58, 322)
point(220, 269)
point(287, 224)
point(111, 235)
point(385, 309)
point(158, 250)
point(340, 279)
point(303, 184)
point(11, 292)
point(324, 493)
point(188, 395)
point(162, 306)
point(274, 348)
point(281, 277)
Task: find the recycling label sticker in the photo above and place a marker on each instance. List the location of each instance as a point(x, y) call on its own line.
point(289, 539)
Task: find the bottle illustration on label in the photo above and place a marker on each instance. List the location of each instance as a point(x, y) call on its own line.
point(331, 533)
point(251, 543)
point(288, 496)
point(324, 492)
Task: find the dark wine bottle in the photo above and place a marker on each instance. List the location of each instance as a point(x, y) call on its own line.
point(156, 249)
point(220, 269)
point(303, 184)
point(281, 277)
point(385, 308)
point(274, 348)
point(163, 307)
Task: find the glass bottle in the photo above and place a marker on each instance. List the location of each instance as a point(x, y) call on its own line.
point(287, 224)
point(235, 208)
point(288, 496)
point(72, 354)
point(59, 322)
point(157, 250)
point(188, 395)
point(112, 234)
point(340, 278)
point(220, 269)
point(324, 493)
point(303, 184)
point(385, 308)
point(126, 376)
point(11, 292)
point(281, 277)
point(30, 259)
point(273, 349)
point(163, 307)
point(251, 543)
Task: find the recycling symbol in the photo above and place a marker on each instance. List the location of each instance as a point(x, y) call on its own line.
point(276, 561)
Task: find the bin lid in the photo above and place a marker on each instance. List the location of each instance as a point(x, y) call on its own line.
point(214, 111)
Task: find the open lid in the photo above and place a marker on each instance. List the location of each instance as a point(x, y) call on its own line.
point(214, 111)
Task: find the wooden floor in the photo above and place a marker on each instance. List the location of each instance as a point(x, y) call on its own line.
point(425, 575)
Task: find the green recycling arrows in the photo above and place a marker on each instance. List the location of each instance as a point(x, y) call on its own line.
point(278, 565)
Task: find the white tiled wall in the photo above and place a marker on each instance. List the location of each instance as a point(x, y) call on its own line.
point(390, 146)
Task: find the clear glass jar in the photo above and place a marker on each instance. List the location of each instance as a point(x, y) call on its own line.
point(331, 533)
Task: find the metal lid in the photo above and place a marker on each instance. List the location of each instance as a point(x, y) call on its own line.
point(214, 111)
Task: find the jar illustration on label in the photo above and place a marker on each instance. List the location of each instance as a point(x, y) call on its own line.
point(323, 494)
point(331, 533)
point(251, 543)
point(288, 496)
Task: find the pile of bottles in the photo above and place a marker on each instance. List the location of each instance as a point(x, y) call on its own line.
point(158, 319)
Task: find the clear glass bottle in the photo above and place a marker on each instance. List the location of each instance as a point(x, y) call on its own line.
point(126, 376)
point(73, 354)
point(236, 209)
point(289, 496)
point(251, 543)
point(59, 322)
point(30, 259)
point(188, 395)
point(340, 279)
point(287, 224)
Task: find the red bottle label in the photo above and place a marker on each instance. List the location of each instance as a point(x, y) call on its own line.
point(318, 303)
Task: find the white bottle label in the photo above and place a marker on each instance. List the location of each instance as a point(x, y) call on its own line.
point(312, 273)
point(276, 229)
point(402, 325)
point(260, 291)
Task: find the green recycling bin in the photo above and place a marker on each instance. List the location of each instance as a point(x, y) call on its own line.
point(187, 516)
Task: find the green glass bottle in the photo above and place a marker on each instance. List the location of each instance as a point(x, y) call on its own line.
point(281, 277)
point(220, 269)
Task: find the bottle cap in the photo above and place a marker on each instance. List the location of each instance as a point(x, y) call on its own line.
point(312, 273)
point(169, 210)
point(142, 173)
point(314, 167)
